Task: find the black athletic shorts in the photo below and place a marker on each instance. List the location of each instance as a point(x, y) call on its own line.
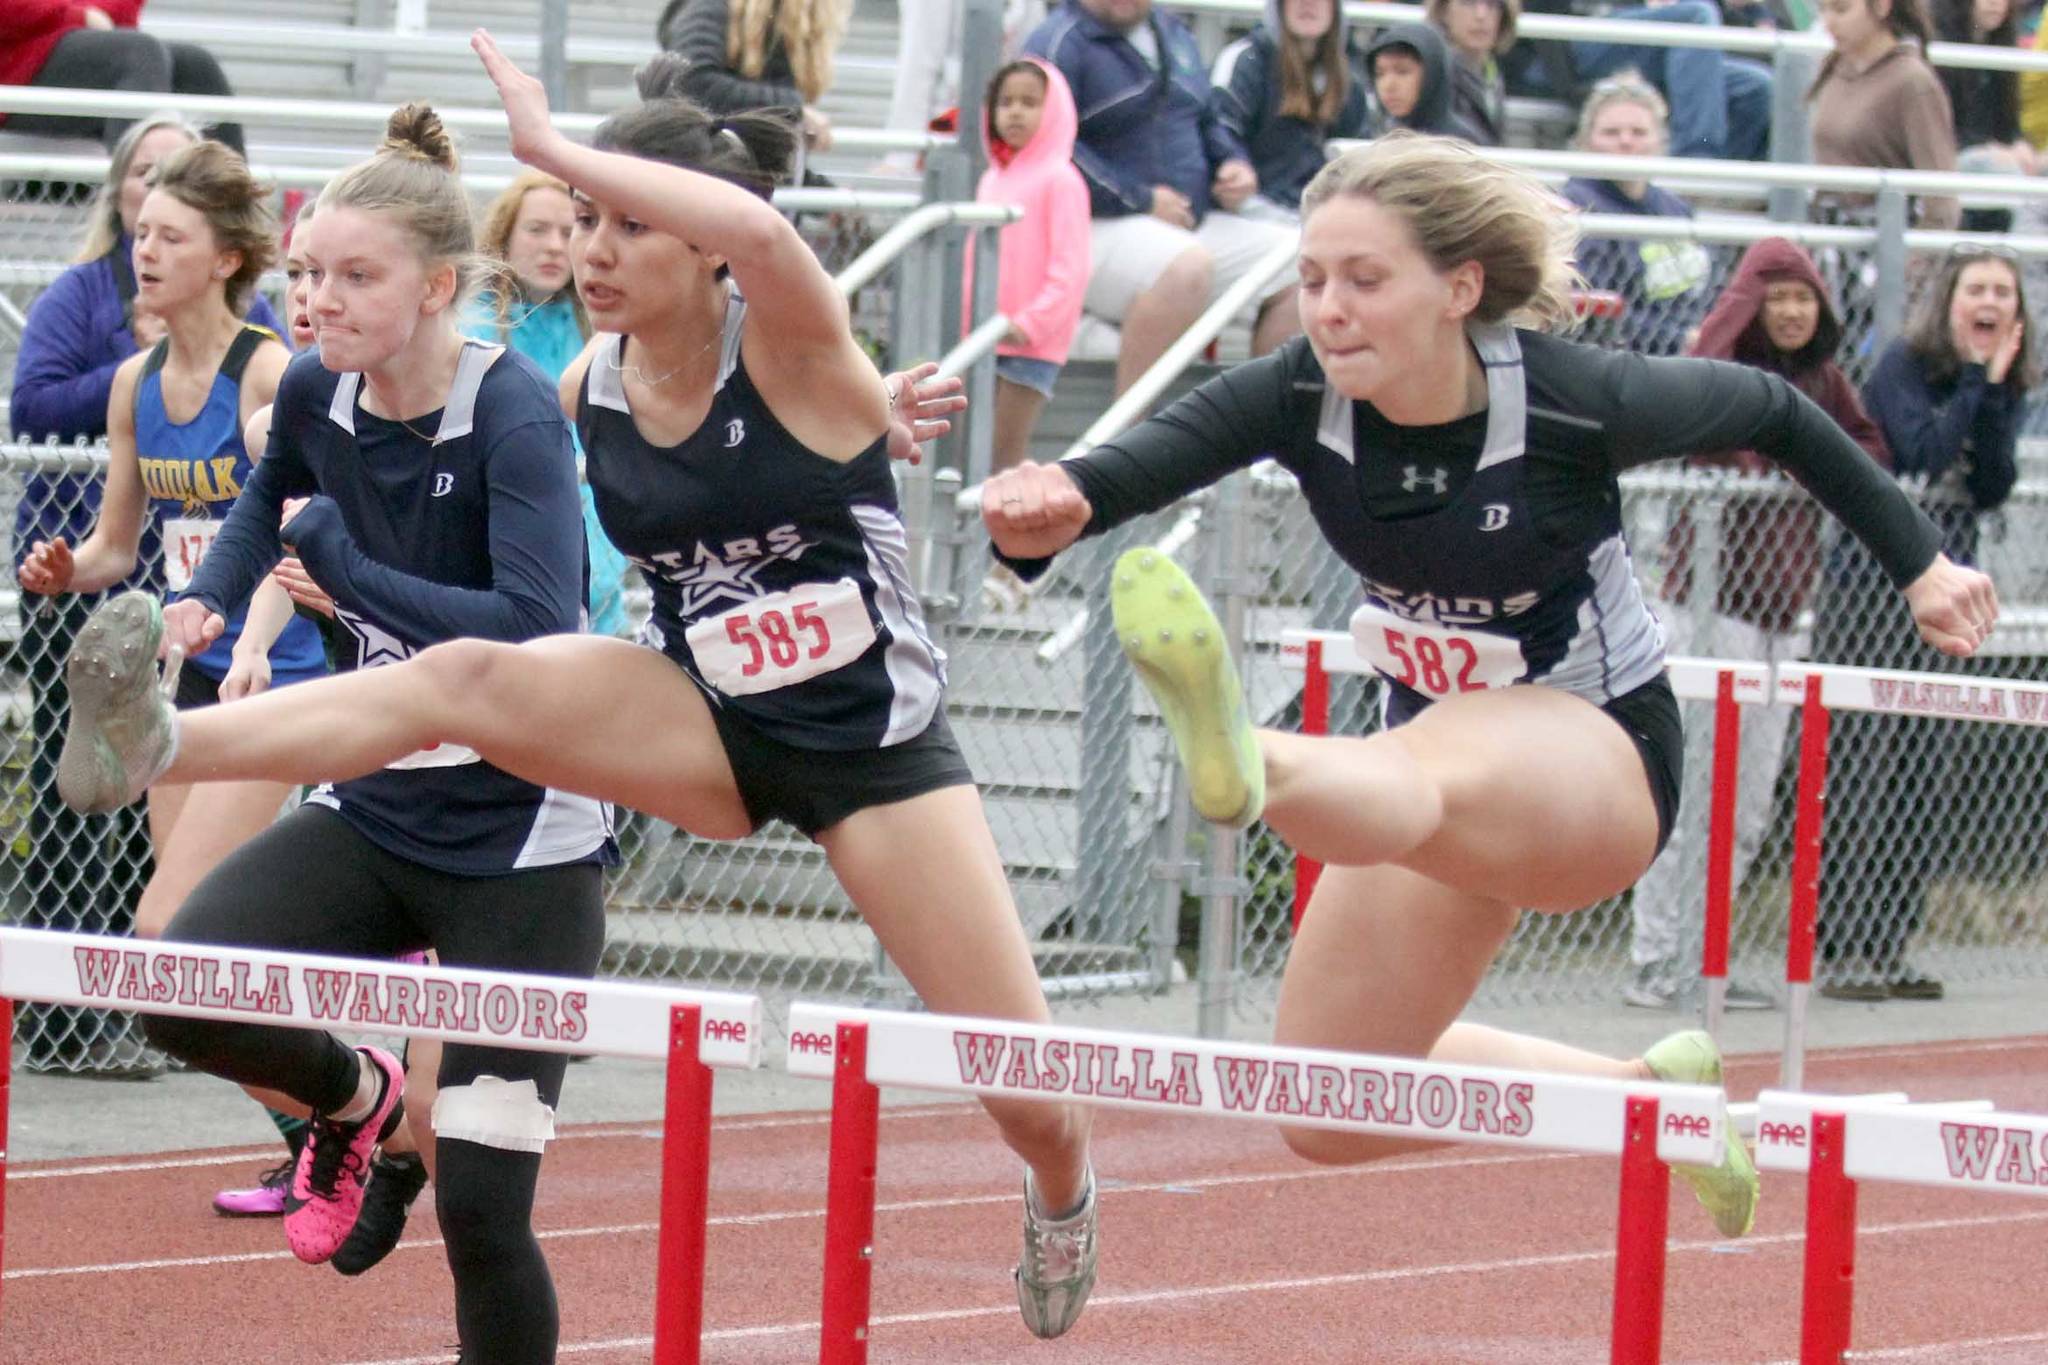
point(814, 789)
point(195, 689)
point(1648, 715)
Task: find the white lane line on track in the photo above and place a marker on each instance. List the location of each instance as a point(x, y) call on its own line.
point(231, 1157)
point(745, 1220)
point(1398, 1274)
point(1937, 1350)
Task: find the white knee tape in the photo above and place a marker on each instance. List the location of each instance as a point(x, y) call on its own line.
point(495, 1112)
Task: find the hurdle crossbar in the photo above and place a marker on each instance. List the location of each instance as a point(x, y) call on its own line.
point(694, 1031)
point(1648, 1125)
point(1838, 1142)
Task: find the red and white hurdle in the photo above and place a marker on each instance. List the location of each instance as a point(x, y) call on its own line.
point(1818, 690)
point(1839, 1142)
point(694, 1031)
point(1647, 1126)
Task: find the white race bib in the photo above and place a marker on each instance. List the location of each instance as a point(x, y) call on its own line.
point(1437, 661)
point(782, 639)
point(186, 541)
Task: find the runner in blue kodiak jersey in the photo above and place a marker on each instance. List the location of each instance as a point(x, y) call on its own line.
point(737, 442)
point(428, 485)
point(1465, 466)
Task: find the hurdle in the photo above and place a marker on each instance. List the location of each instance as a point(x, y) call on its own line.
point(694, 1031)
point(1729, 684)
point(1647, 1125)
point(1839, 1142)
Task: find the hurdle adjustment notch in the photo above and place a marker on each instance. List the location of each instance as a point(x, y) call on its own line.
point(1830, 1274)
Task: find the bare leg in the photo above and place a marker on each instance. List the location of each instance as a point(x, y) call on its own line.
point(1158, 316)
point(212, 821)
point(1279, 319)
point(422, 1085)
point(927, 878)
point(582, 713)
point(1017, 412)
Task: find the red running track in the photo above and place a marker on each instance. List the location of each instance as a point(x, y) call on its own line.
point(1218, 1247)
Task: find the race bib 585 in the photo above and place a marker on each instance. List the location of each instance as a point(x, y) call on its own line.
point(782, 639)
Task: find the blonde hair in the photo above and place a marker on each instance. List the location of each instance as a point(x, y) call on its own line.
point(810, 31)
point(1623, 88)
point(495, 240)
point(103, 220)
point(412, 179)
point(213, 180)
point(1459, 206)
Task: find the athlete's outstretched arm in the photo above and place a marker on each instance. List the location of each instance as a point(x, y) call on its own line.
point(1660, 408)
point(785, 284)
point(1241, 416)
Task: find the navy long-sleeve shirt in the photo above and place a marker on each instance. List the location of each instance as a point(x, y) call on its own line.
point(1959, 433)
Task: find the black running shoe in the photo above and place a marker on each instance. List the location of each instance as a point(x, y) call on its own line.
point(395, 1181)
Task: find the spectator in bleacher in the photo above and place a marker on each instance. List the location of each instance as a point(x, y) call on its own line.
point(1949, 395)
point(1665, 284)
point(1876, 102)
point(1480, 33)
point(1774, 315)
point(1280, 92)
point(1720, 104)
point(2034, 95)
point(1410, 66)
point(1028, 123)
point(759, 54)
point(1985, 104)
point(532, 306)
point(62, 45)
point(83, 873)
point(1164, 181)
point(928, 37)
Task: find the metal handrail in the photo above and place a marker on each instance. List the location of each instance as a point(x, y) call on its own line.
point(29, 99)
point(1648, 33)
point(972, 347)
point(914, 225)
point(1849, 179)
point(1744, 230)
point(348, 41)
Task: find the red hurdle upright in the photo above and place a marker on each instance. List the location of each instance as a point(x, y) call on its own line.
point(850, 1200)
point(1807, 825)
point(1315, 720)
point(685, 1195)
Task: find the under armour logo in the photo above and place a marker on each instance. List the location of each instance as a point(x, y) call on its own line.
point(444, 484)
point(1494, 516)
point(1438, 480)
point(735, 432)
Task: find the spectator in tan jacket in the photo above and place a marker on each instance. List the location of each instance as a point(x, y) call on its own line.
point(1878, 103)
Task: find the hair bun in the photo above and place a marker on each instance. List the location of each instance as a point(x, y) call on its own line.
point(416, 130)
point(660, 77)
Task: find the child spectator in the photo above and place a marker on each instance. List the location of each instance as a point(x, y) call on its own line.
point(1664, 282)
point(1410, 65)
point(1028, 123)
point(1876, 101)
point(1280, 92)
point(1775, 315)
point(1479, 32)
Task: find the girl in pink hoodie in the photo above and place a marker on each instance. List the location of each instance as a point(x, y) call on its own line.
point(1028, 124)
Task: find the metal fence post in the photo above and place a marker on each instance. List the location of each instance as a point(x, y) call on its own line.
point(1791, 136)
point(1890, 315)
point(554, 51)
point(1222, 889)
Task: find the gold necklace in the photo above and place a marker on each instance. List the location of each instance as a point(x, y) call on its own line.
point(416, 431)
point(641, 375)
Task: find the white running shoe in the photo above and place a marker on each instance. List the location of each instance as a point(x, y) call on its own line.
point(1057, 1271)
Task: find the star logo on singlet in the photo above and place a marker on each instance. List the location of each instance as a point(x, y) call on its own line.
point(706, 579)
point(711, 581)
point(375, 646)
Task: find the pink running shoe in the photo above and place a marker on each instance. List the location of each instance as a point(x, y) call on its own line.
point(326, 1193)
point(264, 1200)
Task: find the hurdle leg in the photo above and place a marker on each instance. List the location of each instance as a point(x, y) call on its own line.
point(850, 1201)
point(1721, 849)
point(1315, 720)
point(1807, 826)
point(1830, 1279)
point(1641, 1229)
point(685, 1195)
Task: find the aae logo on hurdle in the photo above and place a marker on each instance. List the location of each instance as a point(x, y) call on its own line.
point(1964, 1144)
point(1252, 1081)
point(550, 1014)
